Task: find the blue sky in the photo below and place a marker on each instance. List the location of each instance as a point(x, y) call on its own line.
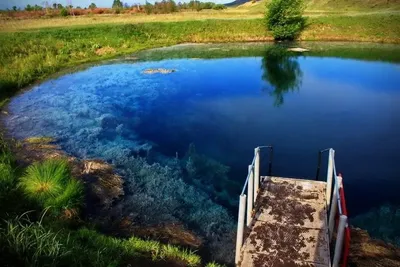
point(4, 4)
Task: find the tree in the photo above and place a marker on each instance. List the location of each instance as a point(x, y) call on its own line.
point(14, 8)
point(148, 8)
point(59, 6)
point(29, 8)
point(64, 12)
point(117, 4)
point(92, 6)
point(285, 18)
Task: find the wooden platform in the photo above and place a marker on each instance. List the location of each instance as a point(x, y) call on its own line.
point(290, 225)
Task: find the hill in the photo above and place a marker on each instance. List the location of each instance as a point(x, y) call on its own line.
point(325, 5)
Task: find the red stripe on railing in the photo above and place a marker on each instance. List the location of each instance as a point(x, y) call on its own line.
point(346, 248)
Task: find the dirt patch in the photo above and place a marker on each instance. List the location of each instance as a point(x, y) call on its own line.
point(365, 251)
point(285, 209)
point(105, 50)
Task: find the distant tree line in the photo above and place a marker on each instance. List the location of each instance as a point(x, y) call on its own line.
point(169, 6)
point(160, 7)
point(55, 6)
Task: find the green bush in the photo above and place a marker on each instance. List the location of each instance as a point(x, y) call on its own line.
point(50, 184)
point(64, 12)
point(219, 7)
point(285, 18)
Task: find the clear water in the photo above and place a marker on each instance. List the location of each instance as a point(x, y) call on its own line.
point(225, 107)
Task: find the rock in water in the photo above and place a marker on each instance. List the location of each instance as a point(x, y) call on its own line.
point(160, 70)
point(298, 49)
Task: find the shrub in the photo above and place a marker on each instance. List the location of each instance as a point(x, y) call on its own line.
point(219, 7)
point(284, 18)
point(64, 12)
point(50, 184)
point(214, 264)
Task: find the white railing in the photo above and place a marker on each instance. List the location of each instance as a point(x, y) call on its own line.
point(252, 184)
point(337, 207)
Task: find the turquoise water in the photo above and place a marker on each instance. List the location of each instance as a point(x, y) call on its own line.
point(183, 140)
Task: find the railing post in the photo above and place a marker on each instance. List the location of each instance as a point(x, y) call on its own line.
point(256, 172)
point(250, 191)
point(339, 240)
point(334, 206)
point(240, 227)
point(329, 177)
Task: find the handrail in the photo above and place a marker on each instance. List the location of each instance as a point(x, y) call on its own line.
point(337, 208)
point(271, 149)
point(252, 184)
point(248, 176)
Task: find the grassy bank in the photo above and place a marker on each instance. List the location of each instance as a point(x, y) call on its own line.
point(30, 55)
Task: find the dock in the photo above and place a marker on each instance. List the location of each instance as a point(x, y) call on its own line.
point(291, 222)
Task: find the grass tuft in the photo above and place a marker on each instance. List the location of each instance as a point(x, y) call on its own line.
point(50, 184)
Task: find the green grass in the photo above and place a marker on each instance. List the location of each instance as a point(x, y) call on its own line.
point(121, 250)
point(331, 6)
point(50, 185)
point(31, 243)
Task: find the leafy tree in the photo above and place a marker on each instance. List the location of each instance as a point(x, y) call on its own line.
point(92, 6)
point(148, 8)
point(64, 12)
point(285, 18)
point(29, 8)
point(219, 7)
point(37, 8)
point(117, 4)
point(59, 6)
point(14, 8)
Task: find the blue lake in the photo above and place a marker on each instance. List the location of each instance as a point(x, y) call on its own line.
point(225, 107)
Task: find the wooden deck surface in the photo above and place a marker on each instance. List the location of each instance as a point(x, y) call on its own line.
point(290, 225)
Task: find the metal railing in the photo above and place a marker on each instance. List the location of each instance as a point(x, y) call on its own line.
point(338, 220)
point(252, 184)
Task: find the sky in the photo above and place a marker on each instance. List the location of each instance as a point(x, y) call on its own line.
point(4, 4)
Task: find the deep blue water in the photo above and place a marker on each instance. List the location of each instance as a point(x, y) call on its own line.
point(226, 107)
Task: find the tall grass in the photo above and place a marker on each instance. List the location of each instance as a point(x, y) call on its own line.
point(50, 185)
point(31, 243)
point(120, 250)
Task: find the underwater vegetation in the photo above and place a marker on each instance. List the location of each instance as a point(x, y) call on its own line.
point(381, 222)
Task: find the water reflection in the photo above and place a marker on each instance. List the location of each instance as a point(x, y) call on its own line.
point(281, 71)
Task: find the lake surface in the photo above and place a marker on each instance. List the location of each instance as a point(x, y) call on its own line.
point(204, 119)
